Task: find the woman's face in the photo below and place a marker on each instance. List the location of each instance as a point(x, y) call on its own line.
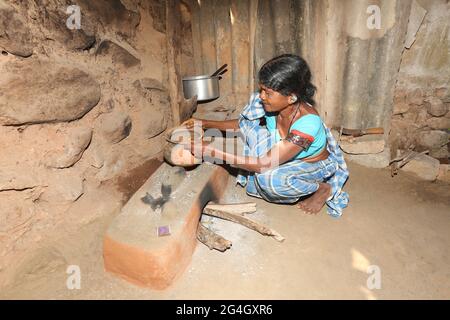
point(272, 100)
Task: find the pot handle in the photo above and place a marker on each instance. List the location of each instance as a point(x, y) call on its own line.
point(219, 71)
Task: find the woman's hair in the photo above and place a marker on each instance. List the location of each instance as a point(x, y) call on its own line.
point(288, 74)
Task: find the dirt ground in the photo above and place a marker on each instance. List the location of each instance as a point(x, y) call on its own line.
point(400, 225)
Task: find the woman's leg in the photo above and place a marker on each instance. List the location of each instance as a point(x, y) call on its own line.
point(291, 181)
point(258, 142)
point(250, 188)
point(317, 200)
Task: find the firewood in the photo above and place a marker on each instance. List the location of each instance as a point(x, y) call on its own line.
point(211, 239)
point(243, 221)
point(234, 208)
point(399, 162)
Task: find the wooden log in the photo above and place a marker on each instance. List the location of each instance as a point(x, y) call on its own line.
point(234, 208)
point(211, 239)
point(243, 221)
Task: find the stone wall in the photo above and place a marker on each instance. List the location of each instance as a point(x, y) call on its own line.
point(421, 111)
point(78, 108)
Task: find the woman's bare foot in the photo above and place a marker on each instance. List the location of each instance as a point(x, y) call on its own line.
point(314, 203)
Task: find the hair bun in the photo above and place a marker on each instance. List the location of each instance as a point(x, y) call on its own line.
point(310, 90)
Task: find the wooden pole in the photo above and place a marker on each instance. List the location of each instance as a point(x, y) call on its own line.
point(173, 30)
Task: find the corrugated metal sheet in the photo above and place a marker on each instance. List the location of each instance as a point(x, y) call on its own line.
point(353, 66)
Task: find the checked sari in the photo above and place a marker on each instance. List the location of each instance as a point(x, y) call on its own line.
point(290, 181)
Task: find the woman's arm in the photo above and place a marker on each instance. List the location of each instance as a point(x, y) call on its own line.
point(282, 152)
point(213, 124)
point(221, 125)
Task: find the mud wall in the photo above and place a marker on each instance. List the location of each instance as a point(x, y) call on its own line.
point(80, 105)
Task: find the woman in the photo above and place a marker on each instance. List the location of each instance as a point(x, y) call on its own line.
point(288, 151)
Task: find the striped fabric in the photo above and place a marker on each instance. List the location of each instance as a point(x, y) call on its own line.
point(294, 179)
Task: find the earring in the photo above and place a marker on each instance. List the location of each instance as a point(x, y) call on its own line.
point(294, 99)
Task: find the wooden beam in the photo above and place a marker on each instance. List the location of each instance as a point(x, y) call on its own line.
point(173, 29)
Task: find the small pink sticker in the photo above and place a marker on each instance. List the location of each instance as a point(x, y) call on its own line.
point(163, 231)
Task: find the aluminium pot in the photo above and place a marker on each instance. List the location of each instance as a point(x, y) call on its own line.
point(205, 87)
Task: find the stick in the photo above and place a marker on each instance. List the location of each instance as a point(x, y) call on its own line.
point(211, 239)
point(399, 162)
point(234, 208)
point(410, 157)
point(402, 157)
point(243, 221)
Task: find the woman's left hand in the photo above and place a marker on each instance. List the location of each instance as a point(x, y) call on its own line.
point(197, 148)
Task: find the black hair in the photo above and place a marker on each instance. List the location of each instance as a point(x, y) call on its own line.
point(288, 74)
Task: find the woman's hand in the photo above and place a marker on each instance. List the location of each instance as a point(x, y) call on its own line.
point(190, 123)
point(197, 148)
point(202, 149)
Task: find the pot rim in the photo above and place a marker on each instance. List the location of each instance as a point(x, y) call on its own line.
point(169, 132)
point(205, 76)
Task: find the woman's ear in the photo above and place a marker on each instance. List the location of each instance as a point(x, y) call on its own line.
point(293, 99)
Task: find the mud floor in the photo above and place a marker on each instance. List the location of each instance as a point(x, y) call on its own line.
point(399, 225)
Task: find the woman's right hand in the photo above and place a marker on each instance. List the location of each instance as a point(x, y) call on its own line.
point(189, 123)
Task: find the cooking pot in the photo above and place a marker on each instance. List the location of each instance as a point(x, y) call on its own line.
point(174, 151)
point(206, 87)
point(183, 135)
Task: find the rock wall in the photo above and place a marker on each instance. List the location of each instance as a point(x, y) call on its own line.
point(421, 111)
point(78, 108)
